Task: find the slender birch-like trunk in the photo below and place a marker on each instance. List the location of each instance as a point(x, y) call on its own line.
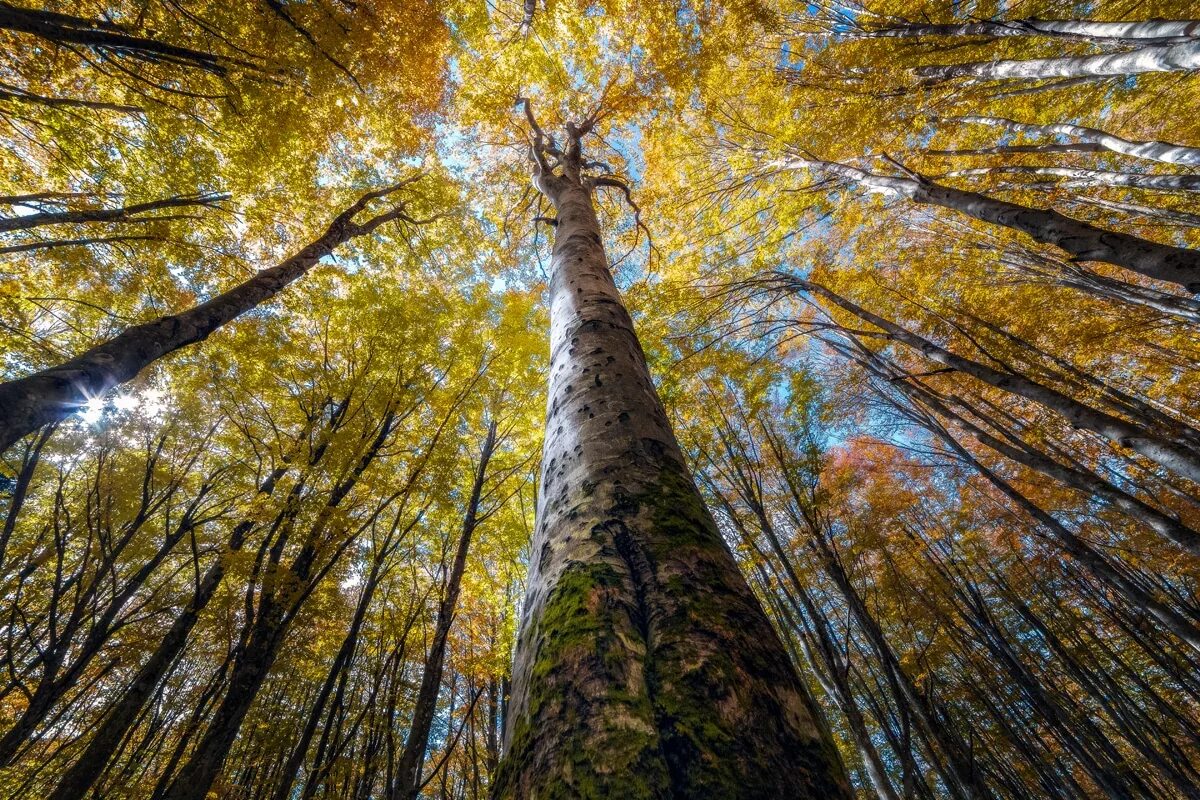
point(1160, 216)
point(132, 213)
point(1156, 30)
point(278, 603)
point(412, 758)
point(1183, 57)
point(1173, 455)
point(1165, 152)
point(1082, 240)
point(1077, 178)
point(55, 393)
point(645, 667)
point(1134, 591)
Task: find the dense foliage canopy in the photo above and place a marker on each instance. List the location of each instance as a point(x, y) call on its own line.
point(918, 283)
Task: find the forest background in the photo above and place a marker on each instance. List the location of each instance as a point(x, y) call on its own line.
point(916, 282)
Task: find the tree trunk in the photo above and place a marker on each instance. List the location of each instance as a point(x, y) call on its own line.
point(1082, 479)
point(1158, 30)
point(1095, 562)
point(1173, 455)
point(116, 723)
point(412, 758)
point(1152, 215)
point(124, 214)
point(1153, 151)
point(1083, 241)
point(277, 606)
point(1089, 178)
point(103, 36)
point(645, 667)
point(1183, 57)
point(55, 393)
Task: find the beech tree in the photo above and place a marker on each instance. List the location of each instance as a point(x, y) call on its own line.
point(818, 419)
point(632, 593)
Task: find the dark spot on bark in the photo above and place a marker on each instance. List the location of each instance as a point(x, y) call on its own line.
point(623, 416)
point(654, 448)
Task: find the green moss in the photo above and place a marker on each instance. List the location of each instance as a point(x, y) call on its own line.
point(610, 750)
point(717, 681)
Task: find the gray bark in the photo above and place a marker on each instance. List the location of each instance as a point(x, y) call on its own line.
point(1087, 178)
point(106, 37)
point(1165, 152)
point(1157, 30)
point(1172, 455)
point(55, 393)
point(412, 758)
point(645, 667)
point(132, 213)
point(1183, 57)
point(1082, 240)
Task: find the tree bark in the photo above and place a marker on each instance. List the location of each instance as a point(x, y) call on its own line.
point(1173, 455)
point(55, 393)
point(412, 758)
point(1087, 178)
point(277, 606)
point(1157, 30)
point(78, 779)
point(102, 36)
point(1082, 240)
point(123, 214)
point(1165, 152)
point(645, 667)
point(1092, 560)
point(1183, 57)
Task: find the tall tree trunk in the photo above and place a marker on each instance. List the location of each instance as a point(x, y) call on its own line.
point(412, 758)
point(124, 214)
point(1082, 240)
point(279, 600)
point(116, 723)
point(1119, 580)
point(1183, 57)
point(103, 36)
point(1169, 453)
point(1156, 30)
point(55, 393)
point(77, 780)
point(645, 667)
point(1080, 478)
point(1153, 151)
point(1087, 178)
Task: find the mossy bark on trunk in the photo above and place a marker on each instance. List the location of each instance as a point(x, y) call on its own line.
point(645, 667)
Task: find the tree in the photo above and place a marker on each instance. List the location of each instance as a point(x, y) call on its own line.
point(644, 662)
point(53, 394)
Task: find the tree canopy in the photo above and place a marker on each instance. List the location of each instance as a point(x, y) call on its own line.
point(323, 322)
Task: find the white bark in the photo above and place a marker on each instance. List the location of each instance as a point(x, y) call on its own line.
point(1082, 240)
point(1164, 216)
point(1077, 178)
point(1155, 30)
point(1165, 152)
point(1183, 57)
